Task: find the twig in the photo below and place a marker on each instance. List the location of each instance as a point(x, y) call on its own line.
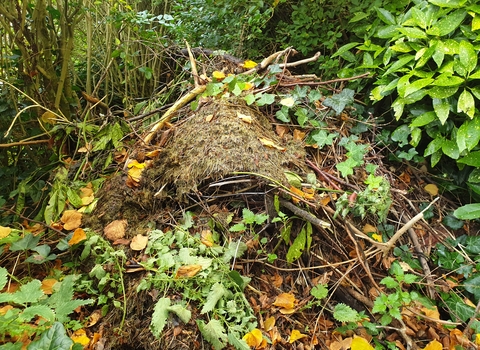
point(268, 60)
point(22, 143)
point(298, 63)
point(193, 64)
point(328, 81)
point(305, 214)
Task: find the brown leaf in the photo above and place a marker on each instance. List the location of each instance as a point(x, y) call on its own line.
point(115, 230)
point(71, 219)
point(245, 118)
point(94, 318)
point(139, 242)
point(188, 271)
point(285, 300)
point(47, 285)
point(78, 236)
point(298, 135)
point(281, 130)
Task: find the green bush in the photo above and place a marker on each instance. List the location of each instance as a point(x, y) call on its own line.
point(426, 61)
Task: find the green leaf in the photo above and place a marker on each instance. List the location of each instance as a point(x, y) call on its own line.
point(238, 344)
point(183, 313)
point(54, 339)
point(28, 242)
point(433, 146)
point(417, 85)
point(442, 91)
point(37, 310)
point(447, 24)
point(250, 98)
point(450, 148)
point(472, 285)
point(283, 114)
point(468, 212)
point(3, 277)
point(297, 247)
point(385, 16)
point(344, 313)
point(214, 333)
point(449, 3)
point(338, 102)
point(320, 291)
point(452, 222)
point(414, 33)
point(265, 99)
point(466, 103)
point(468, 135)
point(346, 167)
point(28, 293)
point(321, 138)
point(419, 17)
point(447, 79)
point(159, 316)
point(235, 250)
point(216, 293)
point(468, 56)
point(402, 61)
point(345, 48)
point(423, 119)
point(442, 109)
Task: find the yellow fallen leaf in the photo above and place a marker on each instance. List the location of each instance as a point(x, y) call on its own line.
point(115, 230)
point(248, 86)
point(71, 219)
point(377, 237)
point(135, 164)
point(135, 174)
point(80, 336)
point(432, 313)
point(188, 271)
point(245, 118)
point(4, 231)
point(139, 242)
point(86, 194)
point(218, 75)
point(295, 335)
point(206, 237)
point(4, 309)
point(285, 300)
point(209, 118)
point(287, 102)
point(270, 144)
point(359, 343)
point(78, 236)
point(269, 323)
point(477, 339)
point(94, 318)
point(152, 154)
point(434, 345)
point(254, 338)
point(431, 189)
point(248, 64)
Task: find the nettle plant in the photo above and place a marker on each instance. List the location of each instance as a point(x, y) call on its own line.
point(426, 60)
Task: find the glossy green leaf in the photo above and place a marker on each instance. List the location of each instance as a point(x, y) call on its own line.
point(449, 3)
point(344, 48)
point(475, 75)
point(473, 159)
point(472, 285)
point(402, 61)
point(417, 85)
point(388, 32)
point(419, 17)
point(297, 247)
point(385, 16)
point(468, 134)
point(439, 54)
point(414, 33)
point(450, 149)
point(423, 57)
point(447, 24)
point(433, 146)
point(468, 56)
point(466, 103)
point(442, 91)
point(423, 119)
point(442, 109)
point(447, 79)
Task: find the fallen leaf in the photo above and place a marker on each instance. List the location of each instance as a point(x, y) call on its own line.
point(47, 285)
point(248, 64)
point(298, 135)
point(94, 318)
point(71, 219)
point(287, 102)
point(139, 242)
point(209, 118)
point(369, 229)
point(80, 336)
point(135, 164)
point(245, 118)
point(206, 237)
point(4, 231)
point(359, 343)
point(269, 323)
point(4, 309)
point(79, 235)
point(135, 174)
point(218, 75)
point(377, 237)
point(295, 335)
point(86, 194)
point(431, 189)
point(248, 86)
point(276, 280)
point(477, 339)
point(115, 230)
point(432, 313)
point(49, 118)
point(152, 154)
point(188, 271)
point(85, 149)
point(434, 345)
point(254, 338)
point(270, 144)
point(285, 301)
point(281, 130)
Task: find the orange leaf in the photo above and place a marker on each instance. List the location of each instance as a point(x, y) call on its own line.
point(188, 271)
point(78, 236)
point(295, 335)
point(432, 313)
point(254, 338)
point(269, 323)
point(80, 336)
point(298, 135)
point(434, 345)
point(359, 343)
point(369, 229)
point(285, 300)
point(139, 242)
point(47, 285)
point(115, 230)
point(71, 219)
point(270, 144)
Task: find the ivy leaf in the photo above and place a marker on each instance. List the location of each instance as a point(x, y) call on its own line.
point(321, 138)
point(214, 333)
point(54, 339)
point(159, 316)
point(216, 293)
point(346, 167)
point(250, 98)
point(452, 222)
point(282, 114)
point(338, 102)
point(472, 285)
point(28, 242)
point(466, 104)
point(265, 99)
